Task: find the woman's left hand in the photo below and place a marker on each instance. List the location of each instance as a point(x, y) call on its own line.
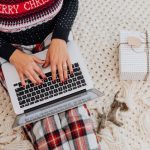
point(58, 58)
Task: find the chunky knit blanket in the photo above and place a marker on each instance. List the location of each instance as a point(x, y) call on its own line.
point(96, 30)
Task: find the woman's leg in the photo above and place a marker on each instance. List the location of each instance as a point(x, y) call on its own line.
point(78, 128)
point(47, 134)
point(70, 130)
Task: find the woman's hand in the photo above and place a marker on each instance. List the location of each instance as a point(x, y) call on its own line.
point(26, 65)
point(58, 58)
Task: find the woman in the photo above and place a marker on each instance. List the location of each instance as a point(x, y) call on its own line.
point(24, 25)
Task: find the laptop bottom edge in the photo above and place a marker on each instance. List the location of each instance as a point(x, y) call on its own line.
point(58, 106)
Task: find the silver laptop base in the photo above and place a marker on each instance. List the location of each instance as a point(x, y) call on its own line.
point(57, 107)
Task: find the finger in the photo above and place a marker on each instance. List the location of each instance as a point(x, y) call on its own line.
point(46, 63)
point(29, 76)
point(22, 79)
point(60, 72)
point(65, 71)
point(70, 66)
point(40, 72)
point(53, 70)
point(35, 77)
point(38, 60)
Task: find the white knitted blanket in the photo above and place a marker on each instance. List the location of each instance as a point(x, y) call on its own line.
point(97, 29)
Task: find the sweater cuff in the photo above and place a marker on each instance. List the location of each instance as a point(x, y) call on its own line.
point(61, 34)
point(6, 51)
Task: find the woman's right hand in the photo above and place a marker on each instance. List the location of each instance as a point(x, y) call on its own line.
point(26, 66)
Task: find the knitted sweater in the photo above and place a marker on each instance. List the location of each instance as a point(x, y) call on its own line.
point(30, 21)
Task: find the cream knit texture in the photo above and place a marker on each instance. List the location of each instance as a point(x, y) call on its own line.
point(96, 30)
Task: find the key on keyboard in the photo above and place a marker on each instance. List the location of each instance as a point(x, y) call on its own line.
point(32, 94)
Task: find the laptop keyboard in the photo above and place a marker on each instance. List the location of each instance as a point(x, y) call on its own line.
point(32, 94)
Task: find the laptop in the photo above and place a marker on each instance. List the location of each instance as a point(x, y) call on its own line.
point(35, 102)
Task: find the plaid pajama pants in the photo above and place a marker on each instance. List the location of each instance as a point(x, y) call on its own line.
point(69, 130)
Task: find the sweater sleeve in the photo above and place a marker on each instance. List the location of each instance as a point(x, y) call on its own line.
point(64, 19)
point(6, 49)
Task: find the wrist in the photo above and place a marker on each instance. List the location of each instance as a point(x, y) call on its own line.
point(56, 40)
point(14, 55)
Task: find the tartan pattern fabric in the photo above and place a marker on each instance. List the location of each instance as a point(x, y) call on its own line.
point(70, 130)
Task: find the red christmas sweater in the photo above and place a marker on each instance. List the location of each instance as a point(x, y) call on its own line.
point(21, 20)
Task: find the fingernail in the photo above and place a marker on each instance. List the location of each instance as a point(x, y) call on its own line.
point(54, 81)
point(43, 65)
point(62, 81)
point(23, 86)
